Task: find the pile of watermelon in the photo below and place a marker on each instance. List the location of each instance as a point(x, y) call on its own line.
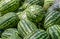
point(29, 19)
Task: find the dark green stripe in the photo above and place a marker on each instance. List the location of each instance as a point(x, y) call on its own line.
point(53, 33)
point(26, 24)
point(45, 36)
point(47, 14)
point(31, 34)
point(32, 26)
point(53, 16)
point(29, 24)
point(21, 29)
point(7, 5)
point(38, 34)
point(56, 27)
point(35, 33)
point(10, 8)
point(6, 19)
point(5, 23)
point(53, 20)
point(36, 2)
point(42, 34)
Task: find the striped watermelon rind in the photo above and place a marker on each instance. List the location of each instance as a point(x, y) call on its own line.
point(38, 34)
point(54, 31)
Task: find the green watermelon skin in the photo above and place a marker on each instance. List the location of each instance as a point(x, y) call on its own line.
point(38, 34)
point(10, 33)
point(54, 31)
point(8, 6)
point(8, 20)
point(25, 27)
point(52, 17)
